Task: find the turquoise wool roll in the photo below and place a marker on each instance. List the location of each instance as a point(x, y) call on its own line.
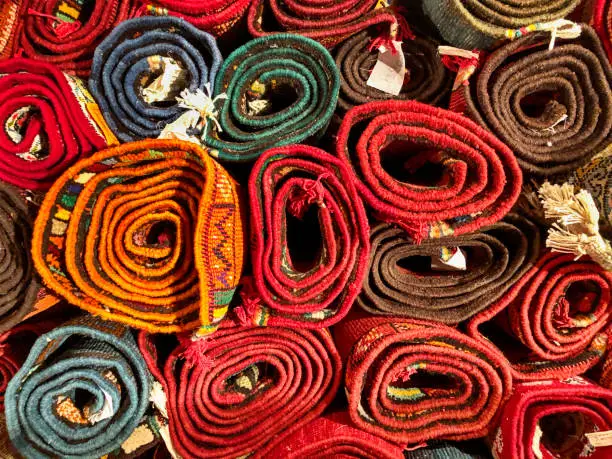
point(81, 392)
point(281, 89)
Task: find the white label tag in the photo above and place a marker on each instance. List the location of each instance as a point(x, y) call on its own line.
point(105, 412)
point(599, 439)
point(456, 262)
point(388, 73)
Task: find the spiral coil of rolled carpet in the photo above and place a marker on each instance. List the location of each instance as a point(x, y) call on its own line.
point(554, 118)
point(148, 234)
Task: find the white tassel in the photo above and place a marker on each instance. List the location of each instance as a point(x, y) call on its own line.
point(561, 28)
point(200, 109)
point(576, 229)
point(158, 398)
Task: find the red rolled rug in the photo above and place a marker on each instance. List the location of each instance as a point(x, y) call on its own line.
point(235, 392)
point(412, 381)
point(602, 22)
point(555, 419)
point(66, 32)
point(333, 435)
point(327, 22)
point(49, 121)
point(214, 16)
point(310, 241)
point(552, 322)
point(430, 170)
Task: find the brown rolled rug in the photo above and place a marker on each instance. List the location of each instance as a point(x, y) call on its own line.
point(403, 279)
point(553, 108)
point(427, 80)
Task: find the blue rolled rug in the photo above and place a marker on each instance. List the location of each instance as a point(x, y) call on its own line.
point(82, 391)
point(143, 66)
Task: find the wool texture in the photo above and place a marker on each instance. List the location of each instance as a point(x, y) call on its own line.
point(553, 108)
point(235, 392)
point(454, 176)
point(129, 60)
point(333, 435)
point(450, 450)
point(49, 121)
point(552, 419)
point(10, 20)
point(148, 234)
point(411, 381)
point(66, 32)
point(403, 279)
point(215, 16)
point(551, 324)
point(316, 287)
point(602, 22)
point(327, 22)
point(280, 89)
point(18, 282)
point(483, 23)
point(43, 414)
point(426, 80)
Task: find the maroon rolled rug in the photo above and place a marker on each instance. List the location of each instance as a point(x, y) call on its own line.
point(432, 171)
point(551, 324)
point(309, 244)
point(237, 391)
point(411, 381)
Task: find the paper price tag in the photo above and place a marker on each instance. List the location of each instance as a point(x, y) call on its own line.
point(600, 439)
point(456, 262)
point(389, 71)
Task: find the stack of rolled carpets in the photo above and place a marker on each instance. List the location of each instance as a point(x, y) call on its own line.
point(482, 23)
point(432, 171)
point(82, 391)
point(310, 281)
point(49, 121)
point(151, 73)
point(557, 314)
point(602, 22)
point(552, 419)
point(279, 90)
point(215, 16)
point(404, 279)
point(18, 282)
point(326, 22)
point(552, 107)
point(427, 80)
point(241, 389)
point(148, 234)
point(333, 435)
point(66, 32)
point(411, 381)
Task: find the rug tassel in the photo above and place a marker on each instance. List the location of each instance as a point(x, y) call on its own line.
point(158, 398)
point(576, 230)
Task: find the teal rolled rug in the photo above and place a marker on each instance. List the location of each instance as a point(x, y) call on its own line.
point(82, 391)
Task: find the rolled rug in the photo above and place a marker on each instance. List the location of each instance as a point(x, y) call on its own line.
point(333, 435)
point(327, 22)
point(215, 16)
point(149, 72)
point(555, 118)
point(148, 234)
point(19, 284)
point(49, 121)
point(551, 324)
point(280, 90)
point(602, 22)
point(430, 170)
point(241, 389)
point(482, 23)
point(426, 80)
point(66, 32)
point(310, 248)
point(81, 392)
point(448, 279)
point(9, 17)
point(413, 381)
point(551, 419)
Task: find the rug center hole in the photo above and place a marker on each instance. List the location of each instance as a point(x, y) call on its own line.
point(304, 239)
point(161, 234)
point(562, 432)
point(409, 162)
point(582, 297)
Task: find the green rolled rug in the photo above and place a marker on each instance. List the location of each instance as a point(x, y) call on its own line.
point(281, 89)
point(81, 393)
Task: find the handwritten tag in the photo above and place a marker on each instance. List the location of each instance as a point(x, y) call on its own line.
point(389, 71)
point(600, 439)
point(456, 262)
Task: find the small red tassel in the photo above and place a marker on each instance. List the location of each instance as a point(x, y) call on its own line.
point(195, 354)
